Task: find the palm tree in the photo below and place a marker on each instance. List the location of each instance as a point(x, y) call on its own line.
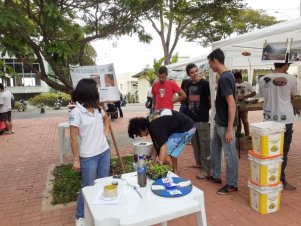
point(150, 74)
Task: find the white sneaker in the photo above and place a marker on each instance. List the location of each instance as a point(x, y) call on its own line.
point(80, 222)
point(202, 175)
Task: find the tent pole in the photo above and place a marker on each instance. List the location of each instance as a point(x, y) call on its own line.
point(212, 83)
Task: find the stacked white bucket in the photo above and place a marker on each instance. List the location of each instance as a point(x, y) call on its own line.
point(265, 166)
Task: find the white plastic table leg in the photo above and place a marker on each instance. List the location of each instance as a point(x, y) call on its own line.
point(201, 216)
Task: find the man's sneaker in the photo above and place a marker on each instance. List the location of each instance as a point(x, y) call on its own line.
point(288, 187)
point(80, 222)
point(227, 189)
point(214, 180)
point(202, 175)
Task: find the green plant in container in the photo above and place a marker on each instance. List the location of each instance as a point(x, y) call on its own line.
point(156, 170)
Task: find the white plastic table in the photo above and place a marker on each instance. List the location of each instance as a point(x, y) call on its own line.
point(136, 211)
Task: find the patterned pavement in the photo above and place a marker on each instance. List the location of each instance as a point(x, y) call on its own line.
point(27, 155)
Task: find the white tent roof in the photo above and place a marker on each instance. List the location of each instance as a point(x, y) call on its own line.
point(276, 33)
point(252, 42)
point(180, 66)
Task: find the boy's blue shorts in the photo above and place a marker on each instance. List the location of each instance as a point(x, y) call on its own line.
point(177, 141)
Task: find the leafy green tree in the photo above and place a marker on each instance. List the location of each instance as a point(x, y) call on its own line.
point(150, 74)
point(202, 20)
point(221, 26)
point(59, 32)
point(5, 70)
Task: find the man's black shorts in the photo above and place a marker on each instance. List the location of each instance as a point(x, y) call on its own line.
point(6, 116)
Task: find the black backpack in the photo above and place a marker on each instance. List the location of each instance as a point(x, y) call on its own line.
point(12, 101)
point(149, 102)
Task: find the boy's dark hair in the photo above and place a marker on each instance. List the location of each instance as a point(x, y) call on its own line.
point(136, 125)
point(86, 93)
point(238, 75)
point(217, 54)
point(163, 70)
point(189, 66)
point(1, 86)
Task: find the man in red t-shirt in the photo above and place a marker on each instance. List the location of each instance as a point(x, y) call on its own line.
point(163, 91)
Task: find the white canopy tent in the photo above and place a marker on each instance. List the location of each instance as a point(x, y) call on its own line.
point(251, 42)
point(288, 31)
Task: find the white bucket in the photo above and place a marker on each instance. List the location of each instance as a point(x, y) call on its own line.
point(142, 147)
point(265, 199)
point(267, 127)
point(265, 171)
point(267, 138)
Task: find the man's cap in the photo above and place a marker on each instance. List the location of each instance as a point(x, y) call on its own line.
point(285, 62)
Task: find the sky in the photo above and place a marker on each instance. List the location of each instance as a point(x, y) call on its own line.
point(129, 55)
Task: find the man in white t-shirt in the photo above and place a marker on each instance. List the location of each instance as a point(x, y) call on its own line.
point(244, 91)
point(5, 108)
point(278, 90)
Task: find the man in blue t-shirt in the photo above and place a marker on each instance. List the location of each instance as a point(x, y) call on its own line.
point(225, 122)
point(198, 105)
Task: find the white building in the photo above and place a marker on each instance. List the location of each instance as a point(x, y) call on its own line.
point(128, 85)
point(25, 82)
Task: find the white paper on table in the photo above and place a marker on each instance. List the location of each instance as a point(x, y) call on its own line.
point(166, 180)
point(174, 192)
point(101, 200)
point(132, 182)
point(184, 183)
point(158, 187)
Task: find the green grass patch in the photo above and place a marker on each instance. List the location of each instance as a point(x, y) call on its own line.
point(67, 183)
point(127, 163)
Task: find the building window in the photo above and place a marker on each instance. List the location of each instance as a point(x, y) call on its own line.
point(25, 76)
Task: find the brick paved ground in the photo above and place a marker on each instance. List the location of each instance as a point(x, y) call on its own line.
point(26, 156)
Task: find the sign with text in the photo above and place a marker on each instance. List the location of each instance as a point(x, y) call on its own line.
point(104, 75)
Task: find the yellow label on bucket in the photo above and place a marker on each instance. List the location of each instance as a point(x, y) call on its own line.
point(268, 145)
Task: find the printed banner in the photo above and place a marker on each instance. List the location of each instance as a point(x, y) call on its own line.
point(274, 51)
point(105, 77)
point(295, 51)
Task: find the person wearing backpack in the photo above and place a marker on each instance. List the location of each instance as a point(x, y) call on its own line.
point(5, 108)
point(149, 101)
